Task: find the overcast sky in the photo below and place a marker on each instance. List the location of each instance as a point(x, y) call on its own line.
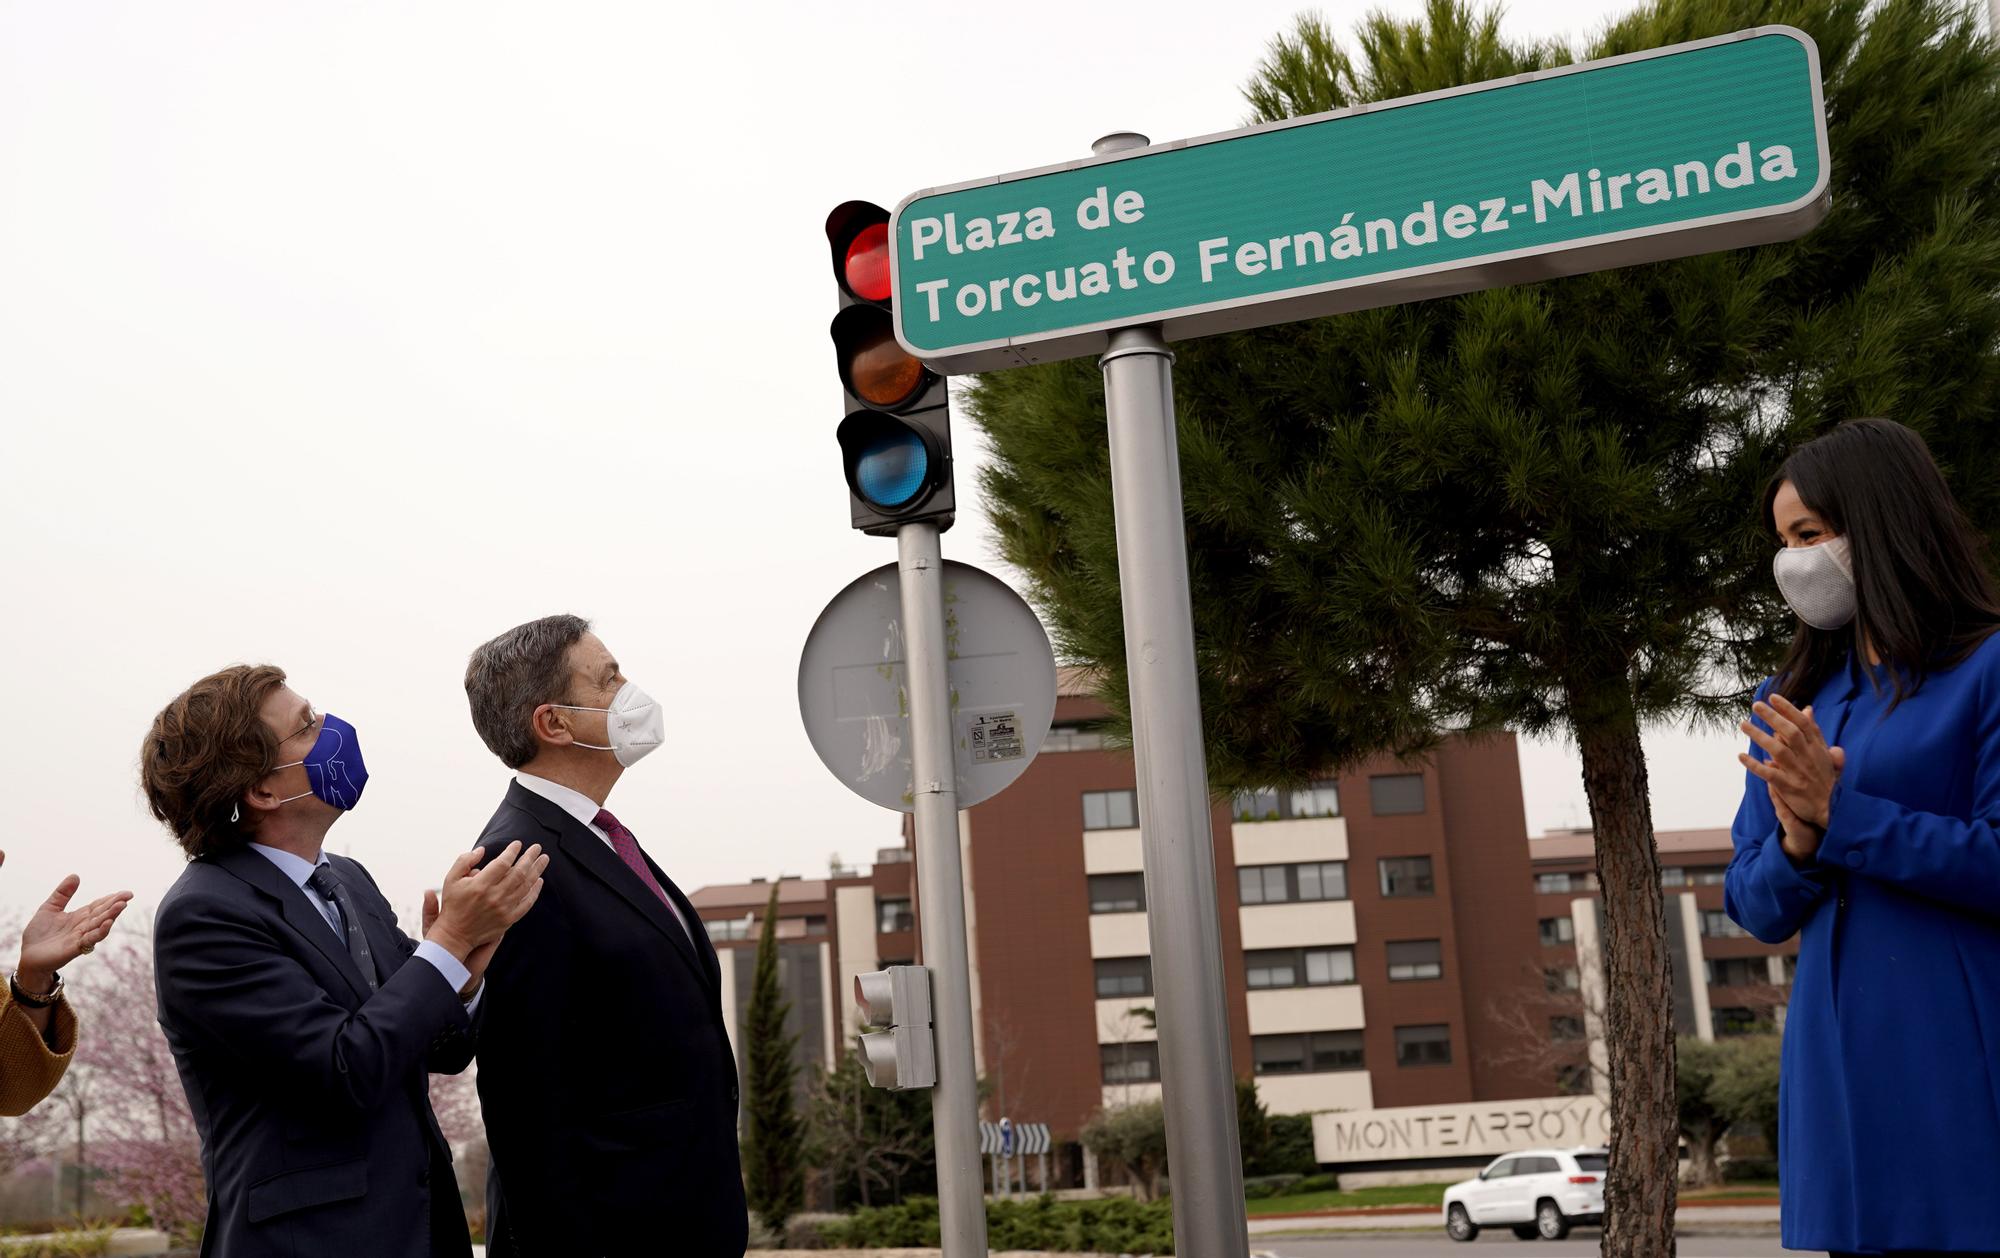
point(345, 336)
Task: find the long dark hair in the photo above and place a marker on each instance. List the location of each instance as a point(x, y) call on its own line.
point(1924, 599)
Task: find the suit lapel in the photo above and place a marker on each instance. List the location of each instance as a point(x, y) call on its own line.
point(298, 913)
point(597, 859)
point(703, 947)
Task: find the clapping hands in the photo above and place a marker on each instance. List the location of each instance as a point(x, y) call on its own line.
point(1800, 773)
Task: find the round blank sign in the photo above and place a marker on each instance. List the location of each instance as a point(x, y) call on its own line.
point(854, 690)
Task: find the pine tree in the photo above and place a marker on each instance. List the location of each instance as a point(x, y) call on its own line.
point(1538, 507)
point(773, 1144)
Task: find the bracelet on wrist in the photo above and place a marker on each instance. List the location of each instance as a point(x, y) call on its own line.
point(35, 1000)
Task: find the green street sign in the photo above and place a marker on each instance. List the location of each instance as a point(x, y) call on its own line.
point(1716, 144)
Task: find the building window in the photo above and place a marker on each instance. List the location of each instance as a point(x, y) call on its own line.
point(1282, 884)
point(1117, 893)
point(1110, 810)
point(730, 928)
point(1709, 875)
point(1309, 1052)
point(1396, 794)
point(1298, 967)
point(1673, 877)
point(1136, 1062)
point(1556, 884)
point(1320, 798)
point(1565, 979)
point(893, 916)
point(1565, 1026)
point(1791, 960)
point(1716, 924)
point(1423, 1045)
point(1262, 884)
point(1572, 1080)
point(1073, 738)
point(1731, 1020)
point(1738, 971)
point(1124, 976)
point(1415, 959)
point(1557, 930)
point(1404, 876)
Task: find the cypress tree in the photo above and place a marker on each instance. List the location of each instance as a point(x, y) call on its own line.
point(1539, 507)
point(773, 1145)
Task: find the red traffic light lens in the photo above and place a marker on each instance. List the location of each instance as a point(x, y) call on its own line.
point(880, 371)
point(866, 268)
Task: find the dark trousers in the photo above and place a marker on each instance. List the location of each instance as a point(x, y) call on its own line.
point(449, 1236)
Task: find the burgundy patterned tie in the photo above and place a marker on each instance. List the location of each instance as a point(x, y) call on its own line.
point(627, 848)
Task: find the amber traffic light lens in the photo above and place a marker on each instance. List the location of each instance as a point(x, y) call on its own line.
point(880, 372)
point(867, 264)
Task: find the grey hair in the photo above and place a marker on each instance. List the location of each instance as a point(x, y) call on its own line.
point(515, 673)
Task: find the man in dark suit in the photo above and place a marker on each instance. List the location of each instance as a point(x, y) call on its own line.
point(303, 1022)
point(605, 1072)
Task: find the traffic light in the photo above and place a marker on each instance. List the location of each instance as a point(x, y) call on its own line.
point(895, 439)
point(903, 1056)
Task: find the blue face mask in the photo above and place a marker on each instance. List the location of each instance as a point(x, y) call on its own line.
point(333, 767)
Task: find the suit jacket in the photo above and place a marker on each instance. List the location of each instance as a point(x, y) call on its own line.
point(311, 1094)
point(605, 1071)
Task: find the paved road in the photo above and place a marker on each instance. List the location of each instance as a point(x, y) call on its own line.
point(1581, 1244)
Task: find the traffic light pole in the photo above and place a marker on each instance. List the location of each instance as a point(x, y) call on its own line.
point(1198, 1087)
point(941, 894)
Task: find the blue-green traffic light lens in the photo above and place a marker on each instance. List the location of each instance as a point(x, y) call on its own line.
point(892, 468)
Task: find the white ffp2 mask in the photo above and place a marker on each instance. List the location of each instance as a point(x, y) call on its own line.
point(1817, 582)
point(634, 723)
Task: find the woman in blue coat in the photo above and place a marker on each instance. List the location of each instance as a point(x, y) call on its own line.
point(1870, 828)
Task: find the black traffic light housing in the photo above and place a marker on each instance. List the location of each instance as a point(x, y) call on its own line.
point(895, 436)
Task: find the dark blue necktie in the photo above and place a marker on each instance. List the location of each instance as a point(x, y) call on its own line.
point(325, 882)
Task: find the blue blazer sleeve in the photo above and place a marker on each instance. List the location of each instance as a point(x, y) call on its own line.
point(1763, 892)
point(1946, 859)
point(238, 988)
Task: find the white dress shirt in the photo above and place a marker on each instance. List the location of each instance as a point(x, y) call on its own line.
point(585, 809)
point(299, 870)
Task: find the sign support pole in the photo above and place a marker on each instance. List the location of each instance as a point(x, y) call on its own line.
point(1198, 1087)
point(940, 892)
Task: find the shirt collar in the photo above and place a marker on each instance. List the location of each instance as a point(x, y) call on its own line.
point(294, 866)
point(575, 803)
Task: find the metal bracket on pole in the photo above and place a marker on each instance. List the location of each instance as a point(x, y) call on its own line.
point(940, 893)
point(1197, 1084)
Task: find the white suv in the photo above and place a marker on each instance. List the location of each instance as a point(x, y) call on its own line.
point(1540, 1193)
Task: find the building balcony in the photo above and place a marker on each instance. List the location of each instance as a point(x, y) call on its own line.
point(1119, 935)
point(1120, 1022)
point(1295, 842)
point(1305, 925)
point(1116, 1094)
point(1279, 1012)
point(1112, 852)
point(1310, 1094)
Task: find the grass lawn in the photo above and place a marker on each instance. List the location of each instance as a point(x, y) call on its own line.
point(1416, 1196)
point(1431, 1196)
point(1730, 1190)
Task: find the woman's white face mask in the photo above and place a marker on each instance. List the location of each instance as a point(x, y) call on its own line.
point(1817, 582)
point(634, 723)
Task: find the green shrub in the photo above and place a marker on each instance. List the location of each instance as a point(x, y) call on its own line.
point(1257, 1187)
point(1291, 1147)
point(87, 1244)
point(1114, 1225)
point(1749, 1170)
point(1314, 1183)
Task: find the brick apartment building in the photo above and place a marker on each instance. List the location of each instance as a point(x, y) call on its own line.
point(1384, 933)
point(1726, 983)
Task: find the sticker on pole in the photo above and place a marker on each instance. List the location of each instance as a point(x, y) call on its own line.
point(1715, 144)
point(854, 689)
point(994, 736)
